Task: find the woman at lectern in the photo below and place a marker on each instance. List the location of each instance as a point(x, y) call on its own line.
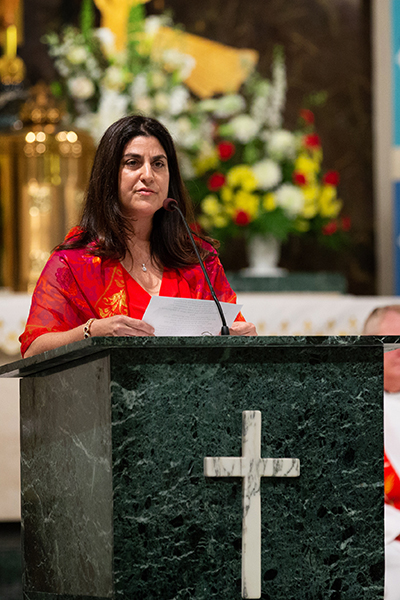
point(127, 248)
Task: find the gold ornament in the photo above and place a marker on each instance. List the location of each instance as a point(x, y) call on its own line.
point(44, 168)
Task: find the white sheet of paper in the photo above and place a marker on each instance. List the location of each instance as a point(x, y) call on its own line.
point(186, 316)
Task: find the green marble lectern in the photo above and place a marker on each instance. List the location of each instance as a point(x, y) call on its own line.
point(115, 503)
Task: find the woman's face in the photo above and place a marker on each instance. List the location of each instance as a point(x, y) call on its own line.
point(143, 177)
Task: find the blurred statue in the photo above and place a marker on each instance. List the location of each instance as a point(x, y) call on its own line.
point(114, 16)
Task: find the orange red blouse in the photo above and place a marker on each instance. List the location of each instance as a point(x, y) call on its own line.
point(75, 286)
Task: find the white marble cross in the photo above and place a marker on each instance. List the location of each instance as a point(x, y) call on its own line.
point(251, 467)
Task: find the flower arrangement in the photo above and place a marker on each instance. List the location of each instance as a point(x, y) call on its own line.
point(247, 174)
point(100, 85)
point(266, 180)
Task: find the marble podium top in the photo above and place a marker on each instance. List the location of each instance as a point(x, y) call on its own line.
point(84, 348)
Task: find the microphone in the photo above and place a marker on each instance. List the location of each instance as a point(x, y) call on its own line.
point(170, 204)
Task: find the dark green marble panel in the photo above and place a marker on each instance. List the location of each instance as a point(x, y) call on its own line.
point(66, 481)
point(177, 535)
point(153, 526)
point(45, 596)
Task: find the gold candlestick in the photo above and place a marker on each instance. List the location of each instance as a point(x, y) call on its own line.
point(12, 68)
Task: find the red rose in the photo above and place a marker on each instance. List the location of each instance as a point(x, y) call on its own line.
point(226, 150)
point(346, 223)
point(241, 218)
point(216, 181)
point(299, 178)
point(307, 115)
point(312, 140)
point(331, 178)
point(330, 228)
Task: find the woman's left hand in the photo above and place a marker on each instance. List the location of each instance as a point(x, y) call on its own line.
point(242, 328)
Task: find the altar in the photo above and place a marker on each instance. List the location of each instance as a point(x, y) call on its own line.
point(273, 313)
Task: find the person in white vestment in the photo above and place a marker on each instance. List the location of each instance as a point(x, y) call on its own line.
point(386, 321)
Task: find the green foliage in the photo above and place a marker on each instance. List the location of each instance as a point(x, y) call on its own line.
point(87, 19)
point(135, 27)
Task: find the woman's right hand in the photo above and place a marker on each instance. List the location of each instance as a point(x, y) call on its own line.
point(120, 325)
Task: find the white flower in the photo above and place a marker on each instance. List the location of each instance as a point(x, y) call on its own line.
point(106, 39)
point(229, 105)
point(268, 173)
point(185, 165)
point(158, 79)
point(278, 94)
point(152, 25)
point(77, 55)
point(112, 107)
point(93, 68)
point(62, 68)
point(243, 128)
point(179, 100)
point(259, 108)
point(184, 134)
point(139, 87)
point(182, 63)
point(114, 78)
point(290, 198)
point(144, 105)
point(184, 125)
point(281, 144)
point(208, 105)
point(161, 102)
point(81, 88)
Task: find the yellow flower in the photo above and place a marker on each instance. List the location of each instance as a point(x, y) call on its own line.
point(210, 205)
point(317, 154)
point(308, 166)
point(207, 160)
point(329, 205)
point(242, 176)
point(220, 221)
point(230, 209)
point(205, 222)
point(247, 202)
point(269, 203)
point(302, 225)
point(226, 194)
point(310, 192)
point(310, 208)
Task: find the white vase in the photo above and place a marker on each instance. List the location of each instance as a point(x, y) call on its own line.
point(264, 253)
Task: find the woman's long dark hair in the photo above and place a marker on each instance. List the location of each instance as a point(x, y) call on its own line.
point(104, 226)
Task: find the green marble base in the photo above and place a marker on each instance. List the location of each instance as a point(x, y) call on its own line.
point(289, 282)
point(114, 500)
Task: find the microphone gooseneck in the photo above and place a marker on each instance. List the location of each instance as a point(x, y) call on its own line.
point(170, 204)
